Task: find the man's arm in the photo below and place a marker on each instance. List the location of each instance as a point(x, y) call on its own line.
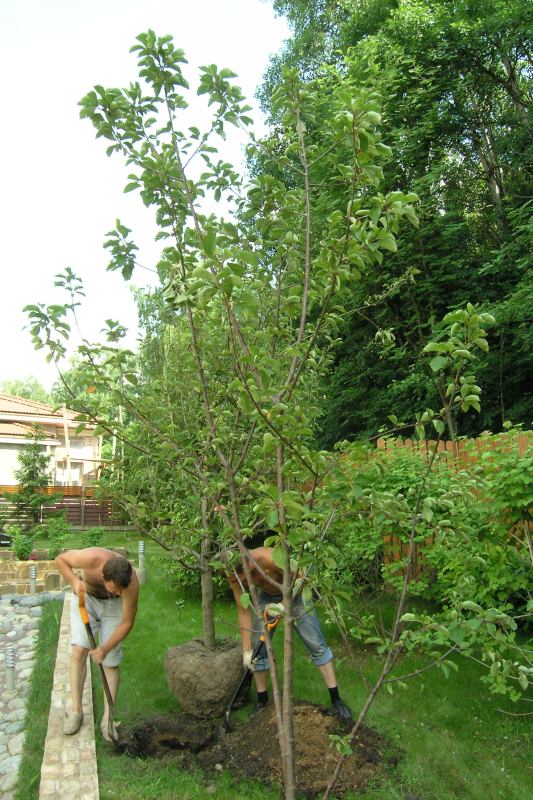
point(244, 615)
point(67, 562)
point(130, 597)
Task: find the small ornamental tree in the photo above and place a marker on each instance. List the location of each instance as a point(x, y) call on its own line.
point(257, 300)
point(32, 475)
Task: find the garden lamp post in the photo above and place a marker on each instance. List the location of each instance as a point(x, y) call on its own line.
point(141, 572)
point(10, 669)
point(33, 578)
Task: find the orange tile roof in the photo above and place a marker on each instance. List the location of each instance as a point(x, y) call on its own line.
point(9, 404)
point(16, 429)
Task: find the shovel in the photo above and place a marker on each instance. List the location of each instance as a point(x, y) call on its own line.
point(272, 619)
point(92, 640)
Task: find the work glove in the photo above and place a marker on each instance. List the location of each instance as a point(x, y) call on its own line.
point(247, 660)
point(274, 610)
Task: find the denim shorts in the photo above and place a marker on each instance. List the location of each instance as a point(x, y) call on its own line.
point(105, 617)
point(306, 625)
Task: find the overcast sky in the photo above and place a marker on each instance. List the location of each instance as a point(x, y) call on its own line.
point(60, 193)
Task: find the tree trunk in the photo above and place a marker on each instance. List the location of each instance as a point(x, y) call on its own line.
point(287, 737)
point(520, 103)
point(483, 140)
point(288, 707)
point(206, 581)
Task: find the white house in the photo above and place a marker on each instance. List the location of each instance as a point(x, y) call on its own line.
point(75, 457)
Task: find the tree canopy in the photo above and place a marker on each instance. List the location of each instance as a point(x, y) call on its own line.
point(455, 78)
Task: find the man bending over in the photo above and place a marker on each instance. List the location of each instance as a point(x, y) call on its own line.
point(111, 592)
point(264, 571)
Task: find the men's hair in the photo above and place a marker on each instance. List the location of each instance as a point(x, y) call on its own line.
point(119, 570)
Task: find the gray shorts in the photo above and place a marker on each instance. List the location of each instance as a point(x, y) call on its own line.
point(105, 616)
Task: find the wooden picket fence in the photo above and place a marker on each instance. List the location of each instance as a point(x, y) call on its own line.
point(462, 452)
point(82, 509)
point(459, 455)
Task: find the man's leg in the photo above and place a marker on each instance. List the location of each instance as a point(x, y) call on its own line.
point(261, 680)
point(261, 667)
point(328, 673)
point(77, 673)
point(111, 615)
point(309, 629)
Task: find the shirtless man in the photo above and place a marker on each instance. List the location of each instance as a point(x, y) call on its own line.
point(111, 593)
point(263, 571)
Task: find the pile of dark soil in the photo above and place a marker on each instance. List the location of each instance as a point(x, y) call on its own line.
point(252, 751)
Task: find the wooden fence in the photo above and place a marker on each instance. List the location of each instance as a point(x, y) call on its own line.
point(462, 452)
point(82, 508)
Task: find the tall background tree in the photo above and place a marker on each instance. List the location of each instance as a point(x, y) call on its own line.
point(455, 78)
point(29, 388)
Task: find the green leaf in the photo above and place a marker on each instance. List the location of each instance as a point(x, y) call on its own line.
point(438, 363)
point(245, 600)
point(249, 257)
point(269, 442)
point(271, 518)
point(469, 605)
point(202, 272)
point(457, 634)
point(388, 242)
point(209, 243)
point(278, 556)
point(439, 426)
point(427, 514)
point(420, 431)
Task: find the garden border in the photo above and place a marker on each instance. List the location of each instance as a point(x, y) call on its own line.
point(69, 762)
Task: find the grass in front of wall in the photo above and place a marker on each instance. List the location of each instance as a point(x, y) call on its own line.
point(453, 739)
point(38, 704)
point(128, 538)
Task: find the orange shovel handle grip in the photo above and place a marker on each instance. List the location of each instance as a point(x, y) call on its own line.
point(83, 610)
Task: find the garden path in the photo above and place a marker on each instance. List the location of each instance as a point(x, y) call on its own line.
point(69, 762)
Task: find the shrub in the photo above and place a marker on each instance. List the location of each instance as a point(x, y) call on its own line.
point(33, 476)
point(465, 549)
point(93, 537)
point(180, 575)
point(55, 528)
point(21, 543)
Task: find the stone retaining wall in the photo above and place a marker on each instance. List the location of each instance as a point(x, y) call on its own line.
point(15, 577)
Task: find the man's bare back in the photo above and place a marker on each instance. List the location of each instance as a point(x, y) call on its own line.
point(91, 561)
point(263, 570)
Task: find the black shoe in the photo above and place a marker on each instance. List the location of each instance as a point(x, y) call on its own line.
point(257, 709)
point(342, 711)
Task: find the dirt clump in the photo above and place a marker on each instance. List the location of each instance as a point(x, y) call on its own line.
point(252, 751)
point(190, 668)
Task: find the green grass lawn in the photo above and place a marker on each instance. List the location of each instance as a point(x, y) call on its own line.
point(127, 538)
point(453, 740)
point(451, 735)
